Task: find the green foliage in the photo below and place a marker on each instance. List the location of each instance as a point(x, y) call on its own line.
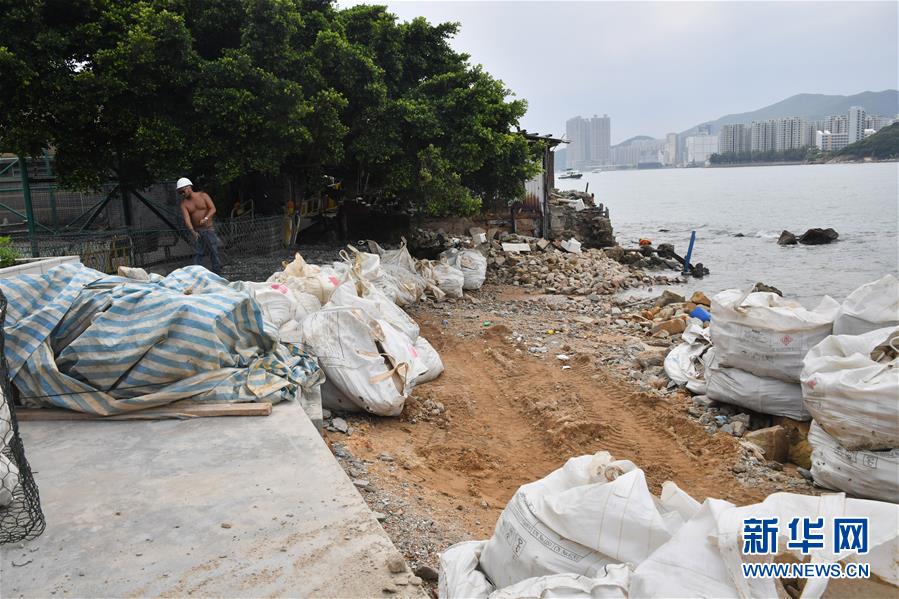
point(794, 155)
point(8, 254)
point(883, 145)
point(153, 89)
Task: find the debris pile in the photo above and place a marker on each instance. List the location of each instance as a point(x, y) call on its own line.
point(574, 214)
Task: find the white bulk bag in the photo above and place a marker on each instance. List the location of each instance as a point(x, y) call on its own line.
point(612, 585)
point(450, 279)
point(690, 564)
point(410, 286)
point(375, 305)
point(765, 334)
point(9, 480)
point(758, 393)
point(276, 300)
point(472, 263)
point(852, 396)
point(353, 359)
point(871, 474)
point(883, 538)
point(300, 277)
point(460, 577)
point(400, 350)
point(590, 513)
point(870, 307)
point(426, 269)
point(430, 359)
point(685, 364)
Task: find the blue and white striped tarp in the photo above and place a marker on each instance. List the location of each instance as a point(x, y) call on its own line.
point(82, 340)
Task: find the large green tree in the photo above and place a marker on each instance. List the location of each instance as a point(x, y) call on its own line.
point(145, 91)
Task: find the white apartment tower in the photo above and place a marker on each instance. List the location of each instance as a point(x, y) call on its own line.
point(670, 149)
point(856, 124)
point(577, 131)
point(763, 135)
point(600, 139)
point(734, 139)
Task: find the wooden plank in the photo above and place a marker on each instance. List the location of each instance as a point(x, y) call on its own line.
point(182, 410)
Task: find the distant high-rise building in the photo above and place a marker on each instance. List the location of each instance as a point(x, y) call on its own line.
point(577, 131)
point(670, 155)
point(700, 147)
point(704, 129)
point(590, 141)
point(734, 139)
point(877, 122)
point(856, 124)
point(791, 133)
point(831, 142)
point(838, 123)
point(600, 139)
point(763, 135)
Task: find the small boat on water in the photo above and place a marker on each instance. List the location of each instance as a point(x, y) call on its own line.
point(571, 174)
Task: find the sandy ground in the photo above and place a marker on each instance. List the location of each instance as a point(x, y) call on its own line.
point(501, 416)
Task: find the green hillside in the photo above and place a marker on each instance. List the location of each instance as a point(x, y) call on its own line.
point(882, 145)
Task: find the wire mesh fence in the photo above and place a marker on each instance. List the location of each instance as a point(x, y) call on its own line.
point(241, 238)
point(21, 517)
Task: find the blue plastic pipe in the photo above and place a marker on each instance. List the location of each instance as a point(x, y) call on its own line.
point(689, 252)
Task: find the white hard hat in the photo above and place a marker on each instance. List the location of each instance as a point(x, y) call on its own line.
point(183, 182)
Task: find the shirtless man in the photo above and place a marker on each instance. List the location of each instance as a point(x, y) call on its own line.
point(197, 210)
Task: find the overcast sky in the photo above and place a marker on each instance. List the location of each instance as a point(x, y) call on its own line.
point(656, 67)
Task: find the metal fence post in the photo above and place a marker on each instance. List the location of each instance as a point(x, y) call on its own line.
point(29, 209)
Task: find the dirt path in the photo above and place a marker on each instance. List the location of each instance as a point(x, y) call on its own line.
point(499, 417)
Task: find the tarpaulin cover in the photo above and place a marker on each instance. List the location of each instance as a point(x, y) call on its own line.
point(82, 340)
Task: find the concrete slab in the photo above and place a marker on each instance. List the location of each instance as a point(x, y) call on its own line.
point(233, 507)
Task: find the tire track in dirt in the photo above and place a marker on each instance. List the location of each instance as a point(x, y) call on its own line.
point(511, 418)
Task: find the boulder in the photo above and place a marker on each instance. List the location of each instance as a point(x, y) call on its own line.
point(818, 236)
point(668, 297)
point(787, 238)
point(767, 289)
point(700, 298)
point(773, 440)
point(674, 326)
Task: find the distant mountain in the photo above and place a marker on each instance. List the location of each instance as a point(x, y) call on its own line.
point(813, 107)
point(634, 138)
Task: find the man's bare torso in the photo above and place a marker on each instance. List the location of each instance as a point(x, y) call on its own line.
point(197, 208)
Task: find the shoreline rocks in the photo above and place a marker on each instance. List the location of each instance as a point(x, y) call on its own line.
point(816, 236)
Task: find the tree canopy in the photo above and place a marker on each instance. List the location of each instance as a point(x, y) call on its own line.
point(149, 90)
point(882, 145)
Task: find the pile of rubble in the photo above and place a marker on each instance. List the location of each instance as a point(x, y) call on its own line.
point(575, 214)
point(548, 269)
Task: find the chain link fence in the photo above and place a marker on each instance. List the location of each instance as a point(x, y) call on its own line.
point(21, 517)
point(241, 238)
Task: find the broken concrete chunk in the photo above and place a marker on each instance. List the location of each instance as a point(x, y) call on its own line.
point(668, 297)
point(772, 440)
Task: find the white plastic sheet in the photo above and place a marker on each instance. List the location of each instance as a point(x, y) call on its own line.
point(852, 396)
point(871, 474)
point(870, 307)
point(765, 334)
point(590, 513)
point(758, 393)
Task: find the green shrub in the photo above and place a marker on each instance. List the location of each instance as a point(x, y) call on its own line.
point(8, 254)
